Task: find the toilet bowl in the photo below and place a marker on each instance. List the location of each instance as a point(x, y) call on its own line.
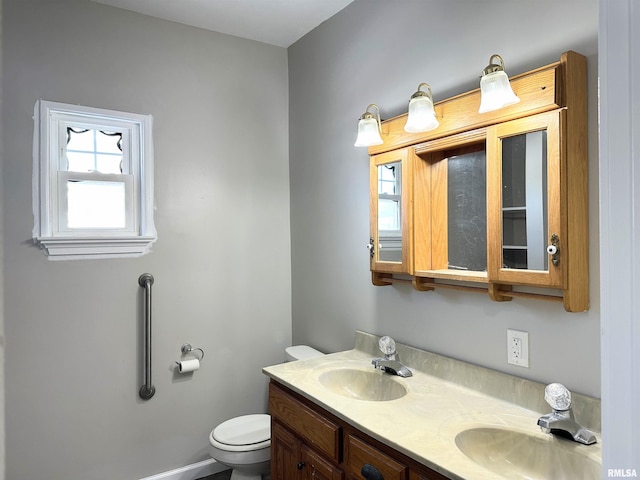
point(244, 443)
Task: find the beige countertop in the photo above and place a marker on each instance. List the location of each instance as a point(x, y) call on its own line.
point(424, 423)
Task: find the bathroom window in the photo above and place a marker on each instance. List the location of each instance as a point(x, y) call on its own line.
point(93, 182)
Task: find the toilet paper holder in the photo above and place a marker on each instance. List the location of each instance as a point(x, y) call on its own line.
point(187, 348)
point(189, 365)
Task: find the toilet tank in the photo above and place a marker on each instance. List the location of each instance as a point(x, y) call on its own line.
point(300, 352)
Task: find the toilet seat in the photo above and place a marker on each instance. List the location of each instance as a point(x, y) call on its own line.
point(243, 434)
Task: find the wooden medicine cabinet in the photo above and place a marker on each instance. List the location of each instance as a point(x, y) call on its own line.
point(494, 202)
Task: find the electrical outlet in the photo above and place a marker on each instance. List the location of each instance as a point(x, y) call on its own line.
point(518, 348)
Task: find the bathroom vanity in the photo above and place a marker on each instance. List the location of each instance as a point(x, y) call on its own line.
point(337, 418)
point(308, 442)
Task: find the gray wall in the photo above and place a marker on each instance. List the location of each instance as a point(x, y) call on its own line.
point(2, 364)
point(221, 262)
point(378, 51)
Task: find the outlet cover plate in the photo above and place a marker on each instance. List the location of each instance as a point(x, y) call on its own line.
point(518, 348)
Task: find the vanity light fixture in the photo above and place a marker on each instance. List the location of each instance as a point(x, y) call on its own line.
point(369, 128)
point(422, 116)
point(495, 89)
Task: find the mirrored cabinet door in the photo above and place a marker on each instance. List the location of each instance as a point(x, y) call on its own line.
point(390, 202)
point(525, 228)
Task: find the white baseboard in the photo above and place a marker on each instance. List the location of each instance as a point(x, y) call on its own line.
point(190, 472)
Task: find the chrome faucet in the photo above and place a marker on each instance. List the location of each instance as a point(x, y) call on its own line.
point(561, 421)
point(390, 363)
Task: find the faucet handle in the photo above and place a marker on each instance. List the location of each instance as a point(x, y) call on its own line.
point(558, 396)
point(387, 346)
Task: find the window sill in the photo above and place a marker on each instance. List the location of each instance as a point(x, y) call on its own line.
point(74, 248)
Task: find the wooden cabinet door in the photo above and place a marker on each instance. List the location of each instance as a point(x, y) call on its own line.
point(390, 204)
point(291, 459)
point(286, 459)
point(525, 201)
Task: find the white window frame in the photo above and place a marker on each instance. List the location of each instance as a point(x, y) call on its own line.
point(49, 178)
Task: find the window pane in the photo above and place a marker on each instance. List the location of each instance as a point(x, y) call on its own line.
point(109, 163)
point(93, 150)
point(80, 139)
point(95, 204)
point(107, 142)
point(80, 162)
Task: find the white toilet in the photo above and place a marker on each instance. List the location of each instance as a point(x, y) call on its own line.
point(243, 443)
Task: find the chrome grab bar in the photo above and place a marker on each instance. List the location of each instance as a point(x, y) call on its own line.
point(147, 390)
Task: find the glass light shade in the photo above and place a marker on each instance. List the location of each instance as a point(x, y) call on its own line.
point(496, 92)
point(422, 116)
point(368, 132)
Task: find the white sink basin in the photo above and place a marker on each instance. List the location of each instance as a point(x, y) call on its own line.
point(371, 385)
point(517, 455)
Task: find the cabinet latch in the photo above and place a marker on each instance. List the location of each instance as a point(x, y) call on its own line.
point(554, 250)
point(371, 247)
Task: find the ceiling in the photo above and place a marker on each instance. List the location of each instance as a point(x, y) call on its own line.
point(276, 22)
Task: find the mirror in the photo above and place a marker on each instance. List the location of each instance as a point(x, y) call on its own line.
point(390, 212)
point(524, 201)
point(467, 210)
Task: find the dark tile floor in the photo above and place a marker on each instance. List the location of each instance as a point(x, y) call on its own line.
point(226, 475)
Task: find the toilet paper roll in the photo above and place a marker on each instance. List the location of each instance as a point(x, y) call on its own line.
point(187, 366)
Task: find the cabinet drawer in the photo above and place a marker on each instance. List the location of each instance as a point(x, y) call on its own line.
point(359, 453)
point(311, 426)
point(427, 475)
point(317, 468)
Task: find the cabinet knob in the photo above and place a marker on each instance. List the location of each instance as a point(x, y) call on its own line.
point(369, 472)
point(300, 465)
